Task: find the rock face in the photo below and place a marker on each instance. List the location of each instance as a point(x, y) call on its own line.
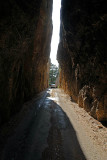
point(82, 54)
point(25, 34)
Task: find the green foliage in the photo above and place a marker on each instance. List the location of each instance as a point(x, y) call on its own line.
point(53, 73)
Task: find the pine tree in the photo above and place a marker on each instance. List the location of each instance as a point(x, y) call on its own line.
point(53, 73)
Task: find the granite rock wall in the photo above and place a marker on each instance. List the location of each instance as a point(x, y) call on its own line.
point(25, 34)
point(82, 54)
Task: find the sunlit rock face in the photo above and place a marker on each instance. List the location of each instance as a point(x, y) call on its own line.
point(25, 34)
point(82, 54)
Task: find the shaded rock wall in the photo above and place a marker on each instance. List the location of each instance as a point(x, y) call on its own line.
point(25, 34)
point(82, 54)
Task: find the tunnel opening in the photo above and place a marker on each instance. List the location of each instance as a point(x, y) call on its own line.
point(53, 76)
point(54, 66)
point(56, 29)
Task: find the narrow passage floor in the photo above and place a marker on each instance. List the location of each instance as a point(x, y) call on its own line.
point(54, 128)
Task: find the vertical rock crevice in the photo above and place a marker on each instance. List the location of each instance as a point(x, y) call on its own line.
point(82, 54)
point(25, 34)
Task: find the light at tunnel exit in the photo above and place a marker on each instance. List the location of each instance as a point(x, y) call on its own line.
point(56, 27)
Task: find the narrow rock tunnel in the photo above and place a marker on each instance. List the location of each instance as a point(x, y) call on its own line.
point(25, 36)
point(25, 44)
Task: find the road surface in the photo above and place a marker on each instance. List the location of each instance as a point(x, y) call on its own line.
point(54, 128)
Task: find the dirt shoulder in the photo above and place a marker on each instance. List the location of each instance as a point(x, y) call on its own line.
point(91, 134)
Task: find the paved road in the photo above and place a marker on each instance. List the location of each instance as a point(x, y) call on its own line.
point(46, 133)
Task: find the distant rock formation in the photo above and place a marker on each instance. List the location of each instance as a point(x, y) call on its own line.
point(82, 54)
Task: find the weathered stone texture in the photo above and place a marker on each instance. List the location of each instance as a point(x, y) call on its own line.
point(25, 33)
point(82, 54)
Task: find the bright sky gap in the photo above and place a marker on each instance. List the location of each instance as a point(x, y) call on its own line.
point(56, 27)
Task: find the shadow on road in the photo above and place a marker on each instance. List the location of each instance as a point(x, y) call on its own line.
point(45, 133)
point(62, 139)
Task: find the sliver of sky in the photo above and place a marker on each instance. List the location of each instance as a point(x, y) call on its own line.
point(56, 27)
